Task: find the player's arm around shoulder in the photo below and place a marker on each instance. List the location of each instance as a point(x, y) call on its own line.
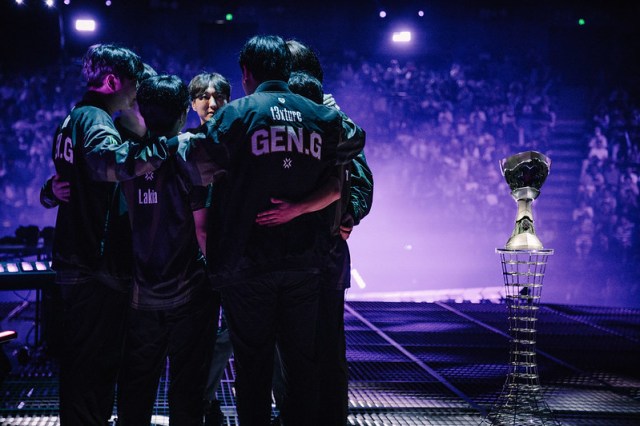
point(203, 154)
point(110, 158)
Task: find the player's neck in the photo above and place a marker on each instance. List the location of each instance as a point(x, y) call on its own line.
point(106, 97)
point(132, 123)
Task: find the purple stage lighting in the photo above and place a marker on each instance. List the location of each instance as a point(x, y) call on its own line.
point(49, 3)
point(19, 1)
point(85, 25)
point(382, 14)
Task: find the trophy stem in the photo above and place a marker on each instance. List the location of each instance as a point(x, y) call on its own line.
point(525, 209)
point(520, 401)
point(524, 235)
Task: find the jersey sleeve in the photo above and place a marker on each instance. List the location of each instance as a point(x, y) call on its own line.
point(352, 140)
point(360, 176)
point(111, 159)
point(361, 191)
point(47, 197)
point(353, 136)
point(203, 157)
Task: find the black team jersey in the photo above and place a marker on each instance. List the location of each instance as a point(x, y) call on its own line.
point(168, 263)
point(271, 144)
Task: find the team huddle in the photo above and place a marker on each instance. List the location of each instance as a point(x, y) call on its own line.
point(188, 245)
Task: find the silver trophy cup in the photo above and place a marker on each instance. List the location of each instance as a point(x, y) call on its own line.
point(525, 173)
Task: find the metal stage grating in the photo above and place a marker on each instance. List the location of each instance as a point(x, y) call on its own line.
point(423, 364)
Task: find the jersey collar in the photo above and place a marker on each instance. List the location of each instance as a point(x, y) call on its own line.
point(273, 86)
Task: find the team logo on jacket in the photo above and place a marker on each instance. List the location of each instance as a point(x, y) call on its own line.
point(287, 163)
point(148, 176)
point(276, 139)
point(286, 137)
point(64, 149)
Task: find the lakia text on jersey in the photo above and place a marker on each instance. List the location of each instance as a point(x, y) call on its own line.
point(147, 197)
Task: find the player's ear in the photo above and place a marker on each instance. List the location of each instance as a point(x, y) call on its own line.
point(249, 83)
point(112, 82)
point(245, 74)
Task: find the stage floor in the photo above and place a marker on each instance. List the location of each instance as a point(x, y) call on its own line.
point(434, 363)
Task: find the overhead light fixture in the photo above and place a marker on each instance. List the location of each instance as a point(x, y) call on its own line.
point(85, 25)
point(401, 36)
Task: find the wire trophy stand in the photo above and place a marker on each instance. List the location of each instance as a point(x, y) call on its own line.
point(524, 262)
point(521, 402)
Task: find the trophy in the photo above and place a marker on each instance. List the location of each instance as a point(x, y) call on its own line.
point(524, 263)
point(525, 173)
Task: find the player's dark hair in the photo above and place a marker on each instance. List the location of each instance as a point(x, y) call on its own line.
point(103, 59)
point(267, 58)
point(162, 99)
point(306, 85)
point(147, 72)
point(201, 82)
point(304, 59)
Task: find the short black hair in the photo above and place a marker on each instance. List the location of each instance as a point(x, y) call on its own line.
point(201, 82)
point(304, 59)
point(162, 99)
point(306, 85)
point(103, 59)
point(267, 58)
point(147, 71)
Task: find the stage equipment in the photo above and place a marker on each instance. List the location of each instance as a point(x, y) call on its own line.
point(26, 275)
point(32, 275)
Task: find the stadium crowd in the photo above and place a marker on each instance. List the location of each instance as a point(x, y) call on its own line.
point(435, 134)
point(606, 214)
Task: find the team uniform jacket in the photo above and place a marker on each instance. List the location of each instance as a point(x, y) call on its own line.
point(168, 268)
point(271, 144)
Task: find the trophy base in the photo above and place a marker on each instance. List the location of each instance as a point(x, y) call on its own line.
point(524, 241)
